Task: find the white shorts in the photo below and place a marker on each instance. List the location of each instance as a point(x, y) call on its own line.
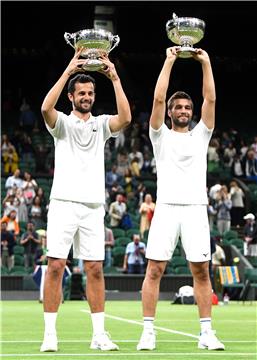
point(189, 222)
point(75, 223)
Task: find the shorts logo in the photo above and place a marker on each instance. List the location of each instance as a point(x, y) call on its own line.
point(205, 254)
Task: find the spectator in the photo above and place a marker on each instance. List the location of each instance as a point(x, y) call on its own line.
point(36, 213)
point(30, 241)
point(122, 162)
point(237, 198)
point(29, 187)
point(146, 211)
point(7, 244)
point(12, 223)
point(136, 155)
point(112, 177)
point(14, 180)
point(229, 154)
point(109, 243)
point(237, 168)
point(10, 202)
point(223, 205)
point(250, 166)
point(5, 144)
point(212, 214)
point(117, 210)
point(22, 207)
point(250, 235)
point(10, 160)
point(134, 259)
point(28, 118)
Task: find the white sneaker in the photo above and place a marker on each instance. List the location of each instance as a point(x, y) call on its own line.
point(208, 340)
point(50, 343)
point(103, 342)
point(147, 341)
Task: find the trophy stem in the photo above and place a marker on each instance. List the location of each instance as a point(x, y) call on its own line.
point(186, 41)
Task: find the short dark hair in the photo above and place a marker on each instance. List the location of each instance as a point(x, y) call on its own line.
point(80, 78)
point(179, 95)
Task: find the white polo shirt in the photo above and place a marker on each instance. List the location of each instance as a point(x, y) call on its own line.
point(79, 158)
point(181, 162)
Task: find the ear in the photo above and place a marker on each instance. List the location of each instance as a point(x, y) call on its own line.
point(70, 96)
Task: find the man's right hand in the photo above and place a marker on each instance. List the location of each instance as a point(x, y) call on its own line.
point(75, 64)
point(172, 52)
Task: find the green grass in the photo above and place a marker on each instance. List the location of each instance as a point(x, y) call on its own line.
point(22, 331)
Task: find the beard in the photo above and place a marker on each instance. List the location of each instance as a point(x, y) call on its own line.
point(78, 107)
point(179, 123)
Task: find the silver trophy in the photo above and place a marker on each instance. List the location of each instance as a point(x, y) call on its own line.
point(185, 32)
point(95, 43)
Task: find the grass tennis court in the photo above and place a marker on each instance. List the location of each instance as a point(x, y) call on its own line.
point(177, 331)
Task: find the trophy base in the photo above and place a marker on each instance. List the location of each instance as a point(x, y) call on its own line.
point(186, 52)
point(93, 65)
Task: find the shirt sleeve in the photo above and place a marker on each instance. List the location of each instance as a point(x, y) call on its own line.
point(155, 135)
point(59, 129)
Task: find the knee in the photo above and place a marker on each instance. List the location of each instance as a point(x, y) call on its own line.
point(94, 270)
point(154, 273)
point(201, 273)
point(55, 268)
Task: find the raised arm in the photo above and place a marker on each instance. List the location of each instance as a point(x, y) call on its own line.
point(48, 110)
point(123, 118)
point(160, 92)
point(209, 93)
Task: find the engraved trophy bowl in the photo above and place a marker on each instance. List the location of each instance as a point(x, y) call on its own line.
point(95, 42)
point(185, 32)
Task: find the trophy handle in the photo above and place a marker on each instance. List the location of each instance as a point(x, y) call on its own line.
point(67, 37)
point(116, 40)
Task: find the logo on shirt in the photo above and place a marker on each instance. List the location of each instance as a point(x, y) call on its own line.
point(205, 254)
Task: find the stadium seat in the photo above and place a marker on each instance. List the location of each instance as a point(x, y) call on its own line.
point(18, 250)
point(18, 270)
point(130, 232)
point(178, 261)
point(110, 270)
point(230, 234)
point(118, 255)
point(122, 241)
point(182, 270)
point(117, 232)
point(19, 260)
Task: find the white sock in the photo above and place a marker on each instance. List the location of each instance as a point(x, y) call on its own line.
point(98, 322)
point(50, 321)
point(205, 324)
point(148, 323)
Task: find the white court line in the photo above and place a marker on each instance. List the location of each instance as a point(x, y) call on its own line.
point(112, 353)
point(120, 341)
point(141, 324)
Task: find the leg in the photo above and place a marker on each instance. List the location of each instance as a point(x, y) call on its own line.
point(51, 301)
point(96, 298)
point(151, 286)
point(53, 284)
point(150, 295)
point(95, 285)
point(202, 288)
point(203, 295)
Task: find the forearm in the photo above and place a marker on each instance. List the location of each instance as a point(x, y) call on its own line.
point(122, 103)
point(209, 92)
point(163, 81)
point(54, 94)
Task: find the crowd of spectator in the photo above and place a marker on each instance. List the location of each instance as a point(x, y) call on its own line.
point(129, 166)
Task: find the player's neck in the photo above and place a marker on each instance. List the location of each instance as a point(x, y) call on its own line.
point(82, 116)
